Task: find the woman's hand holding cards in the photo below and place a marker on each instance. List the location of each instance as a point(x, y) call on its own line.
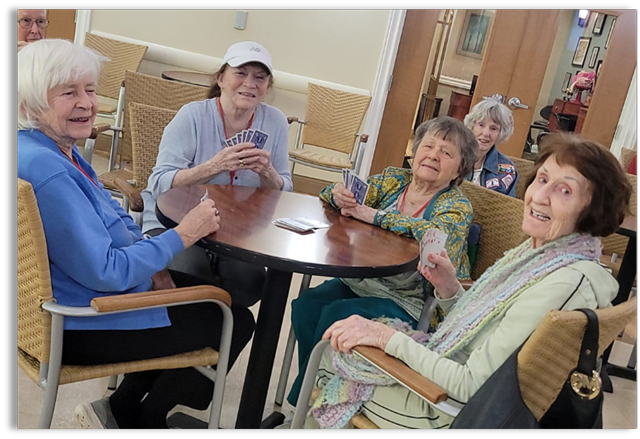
point(442, 276)
point(343, 197)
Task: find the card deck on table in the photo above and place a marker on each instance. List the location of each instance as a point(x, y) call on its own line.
point(432, 242)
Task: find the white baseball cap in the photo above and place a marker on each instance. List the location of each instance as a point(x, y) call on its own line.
point(245, 52)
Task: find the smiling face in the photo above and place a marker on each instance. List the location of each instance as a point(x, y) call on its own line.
point(33, 33)
point(554, 201)
point(72, 110)
point(436, 161)
point(244, 87)
point(486, 132)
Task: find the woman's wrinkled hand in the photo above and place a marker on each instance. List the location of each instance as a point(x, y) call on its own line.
point(357, 331)
point(162, 281)
point(201, 221)
point(343, 197)
point(442, 276)
point(231, 158)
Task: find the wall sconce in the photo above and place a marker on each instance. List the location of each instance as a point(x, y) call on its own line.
point(583, 14)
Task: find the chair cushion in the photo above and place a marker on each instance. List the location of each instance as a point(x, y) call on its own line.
point(107, 108)
point(108, 178)
point(306, 156)
point(72, 374)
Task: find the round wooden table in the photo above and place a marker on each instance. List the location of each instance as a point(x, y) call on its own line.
point(348, 248)
point(193, 78)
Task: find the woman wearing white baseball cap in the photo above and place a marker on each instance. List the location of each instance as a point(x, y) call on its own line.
point(232, 137)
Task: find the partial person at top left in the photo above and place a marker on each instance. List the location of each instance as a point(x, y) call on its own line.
point(32, 26)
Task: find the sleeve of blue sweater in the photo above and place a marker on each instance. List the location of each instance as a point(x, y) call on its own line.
point(83, 245)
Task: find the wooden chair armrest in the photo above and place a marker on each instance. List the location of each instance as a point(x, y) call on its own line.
point(99, 128)
point(136, 203)
point(403, 373)
point(175, 296)
point(466, 284)
point(292, 119)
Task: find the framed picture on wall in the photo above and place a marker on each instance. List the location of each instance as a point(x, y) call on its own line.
point(594, 57)
point(598, 24)
point(475, 33)
point(581, 51)
point(613, 23)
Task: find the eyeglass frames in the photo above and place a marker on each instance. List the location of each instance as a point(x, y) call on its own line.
point(26, 23)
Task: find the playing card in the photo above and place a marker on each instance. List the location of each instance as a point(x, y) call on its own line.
point(228, 142)
point(205, 196)
point(359, 188)
point(245, 136)
point(234, 139)
point(259, 139)
point(432, 242)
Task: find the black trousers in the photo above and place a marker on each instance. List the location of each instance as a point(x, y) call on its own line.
point(144, 399)
point(243, 281)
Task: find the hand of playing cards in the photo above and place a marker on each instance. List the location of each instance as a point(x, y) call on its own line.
point(356, 185)
point(257, 137)
point(432, 242)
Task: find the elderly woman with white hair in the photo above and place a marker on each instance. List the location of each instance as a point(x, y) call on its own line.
point(492, 124)
point(95, 249)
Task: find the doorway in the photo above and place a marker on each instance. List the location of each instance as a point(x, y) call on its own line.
point(521, 58)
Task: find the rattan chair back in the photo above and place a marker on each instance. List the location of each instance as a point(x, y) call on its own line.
point(123, 56)
point(551, 353)
point(500, 218)
point(34, 280)
point(524, 167)
point(616, 243)
point(147, 126)
point(626, 155)
point(333, 118)
point(157, 92)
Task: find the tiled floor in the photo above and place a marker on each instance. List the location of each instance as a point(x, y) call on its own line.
point(620, 410)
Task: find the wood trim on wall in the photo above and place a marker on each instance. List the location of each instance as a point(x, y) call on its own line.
point(406, 87)
point(617, 71)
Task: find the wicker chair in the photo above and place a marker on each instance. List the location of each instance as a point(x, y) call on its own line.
point(626, 155)
point(332, 121)
point(123, 56)
point(616, 243)
point(544, 362)
point(500, 218)
point(41, 321)
point(147, 124)
point(148, 90)
point(524, 168)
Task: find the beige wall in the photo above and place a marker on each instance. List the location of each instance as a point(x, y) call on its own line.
point(339, 46)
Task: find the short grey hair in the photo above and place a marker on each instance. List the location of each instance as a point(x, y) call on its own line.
point(454, 131)
point(495, 110)
point(45, 64)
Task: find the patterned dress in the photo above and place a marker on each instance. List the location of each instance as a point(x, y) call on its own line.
point(449, 211)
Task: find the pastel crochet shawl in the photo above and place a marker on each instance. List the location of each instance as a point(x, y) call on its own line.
point(497, 288)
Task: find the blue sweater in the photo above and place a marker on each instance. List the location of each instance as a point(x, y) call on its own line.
point(95, 248)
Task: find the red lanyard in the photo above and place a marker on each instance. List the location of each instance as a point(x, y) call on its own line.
point(232, 173)
point(401, 203)
point(81, 170)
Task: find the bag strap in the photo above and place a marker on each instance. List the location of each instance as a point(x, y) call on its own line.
point(589, 349)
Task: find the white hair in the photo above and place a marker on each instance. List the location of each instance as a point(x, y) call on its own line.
point(495, 110)
point(45, 64)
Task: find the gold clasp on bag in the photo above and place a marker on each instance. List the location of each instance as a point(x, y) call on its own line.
point(585, 386)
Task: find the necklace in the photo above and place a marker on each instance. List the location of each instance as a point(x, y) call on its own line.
point(402, 202)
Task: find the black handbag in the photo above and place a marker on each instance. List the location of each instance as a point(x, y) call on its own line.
point(499, 403)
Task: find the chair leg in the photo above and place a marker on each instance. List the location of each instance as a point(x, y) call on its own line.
point(302, 406)
point(113, 383)
point(288, 353)
point(52, 380)
point(222, 367)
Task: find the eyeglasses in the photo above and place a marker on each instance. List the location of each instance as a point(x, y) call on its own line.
point(26, 23)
